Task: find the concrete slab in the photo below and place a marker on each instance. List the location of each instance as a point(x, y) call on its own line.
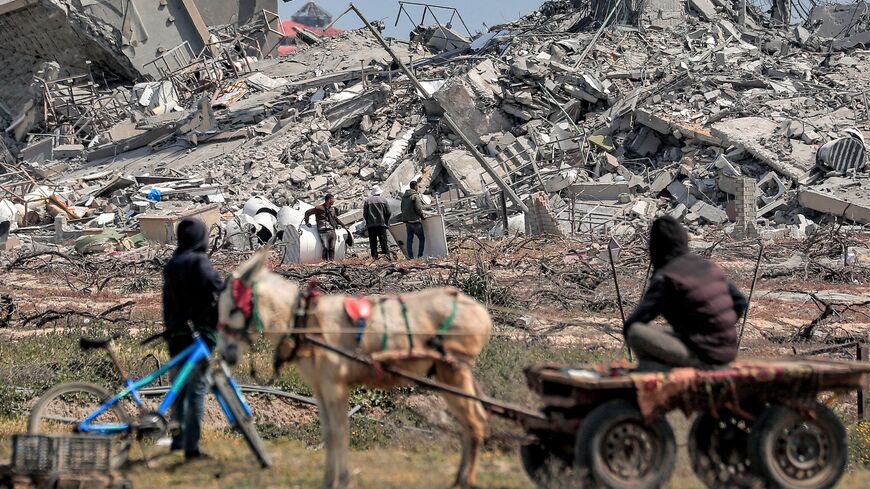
point(598, 190)
point(705, 8)
point(759, 137)
point(466, 172)
point(840, 202)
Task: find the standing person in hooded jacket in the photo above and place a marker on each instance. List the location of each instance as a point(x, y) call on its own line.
point(376, 213)
point(694, 296)
point(412, 216)
point(190, 287)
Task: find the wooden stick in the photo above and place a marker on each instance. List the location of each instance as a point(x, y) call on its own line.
point(751, 290)
point(618, 297)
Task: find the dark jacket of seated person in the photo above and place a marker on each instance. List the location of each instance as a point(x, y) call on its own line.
point(692, 294)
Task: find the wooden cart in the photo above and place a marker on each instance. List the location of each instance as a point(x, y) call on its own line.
point(758, 424)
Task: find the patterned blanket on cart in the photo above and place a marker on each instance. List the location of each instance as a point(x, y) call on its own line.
point(691, 389)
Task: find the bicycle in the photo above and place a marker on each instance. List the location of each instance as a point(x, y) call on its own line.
point(86, 408)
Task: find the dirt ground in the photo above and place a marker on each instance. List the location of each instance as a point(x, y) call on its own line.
point(551, 300)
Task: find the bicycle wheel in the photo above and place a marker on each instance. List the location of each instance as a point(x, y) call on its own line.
point(60, 410)
point(241, 421)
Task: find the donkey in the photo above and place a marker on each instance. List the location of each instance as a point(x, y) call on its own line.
point(435, 332)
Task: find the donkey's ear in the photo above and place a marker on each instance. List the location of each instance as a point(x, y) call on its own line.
point(251, 268)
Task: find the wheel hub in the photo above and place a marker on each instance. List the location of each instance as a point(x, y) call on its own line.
point(629, 451)
point(802, 451)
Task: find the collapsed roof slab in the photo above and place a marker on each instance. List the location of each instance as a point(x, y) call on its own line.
point(757, 136)
point(33, 32)
point(839, 197)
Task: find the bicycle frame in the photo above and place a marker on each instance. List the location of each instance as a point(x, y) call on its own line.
point(187, 359)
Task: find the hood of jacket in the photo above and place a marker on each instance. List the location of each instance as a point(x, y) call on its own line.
point(667, 240)
point(192, 235)
point(410, 192)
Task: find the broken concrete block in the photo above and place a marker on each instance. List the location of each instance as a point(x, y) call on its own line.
point(367, 173)
point(466, 172)
point(652, 121)
point(398, 180)
point(64, 151)
point(709, 213)
point(837, 202)
point(318, 182)
point(704, 8)
point(753, 134)
point(425, 147)
point(460, 102)
point(662, 180)
point(643, 209)
point(712, 95)
point(679, 211)
point(725, 167)
point(810, 136)
point(801, 35)
point(599, 190)
point(298, 175)
point(645, 143)
point(347, 113)
point(561, 180)
point(680, 193)
point(394, 131)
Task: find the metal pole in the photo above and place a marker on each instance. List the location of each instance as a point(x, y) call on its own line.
point(859, 356)
point(446, 117)
point(751, 291)
point(504, 216)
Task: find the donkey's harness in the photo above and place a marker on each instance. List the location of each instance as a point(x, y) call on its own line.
point(358, 309)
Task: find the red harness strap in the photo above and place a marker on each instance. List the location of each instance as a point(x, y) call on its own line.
point(359, 310)
point(243, 296)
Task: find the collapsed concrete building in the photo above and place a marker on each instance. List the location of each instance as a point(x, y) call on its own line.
point(582, 117)
point(49, 44)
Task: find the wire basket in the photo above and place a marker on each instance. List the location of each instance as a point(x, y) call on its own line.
point(61, 453)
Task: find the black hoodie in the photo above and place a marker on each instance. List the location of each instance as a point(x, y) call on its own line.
point(692, 293)
point(190, 287)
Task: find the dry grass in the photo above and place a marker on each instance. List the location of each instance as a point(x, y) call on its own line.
point(297, 466)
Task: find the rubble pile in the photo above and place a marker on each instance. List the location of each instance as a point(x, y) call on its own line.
point(565, 121)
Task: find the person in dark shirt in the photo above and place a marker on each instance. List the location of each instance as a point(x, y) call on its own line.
point(190, 288)
point(376, 213)
point(694, 296)
point(327, 223)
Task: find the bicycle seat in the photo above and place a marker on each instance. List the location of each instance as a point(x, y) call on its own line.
point(89, 343)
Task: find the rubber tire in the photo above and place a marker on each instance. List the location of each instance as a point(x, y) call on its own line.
point(763, 439)
point(243, 423)
point(599, 422)
point(550, 471)
point(701, 435)
point(119, 457)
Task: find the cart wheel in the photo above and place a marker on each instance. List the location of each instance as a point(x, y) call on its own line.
point(622, 451)
point(795, 451)
point(718, 451)
point(550, 471)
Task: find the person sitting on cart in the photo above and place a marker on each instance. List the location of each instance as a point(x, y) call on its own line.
point(694, 296)
point(190, 285)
